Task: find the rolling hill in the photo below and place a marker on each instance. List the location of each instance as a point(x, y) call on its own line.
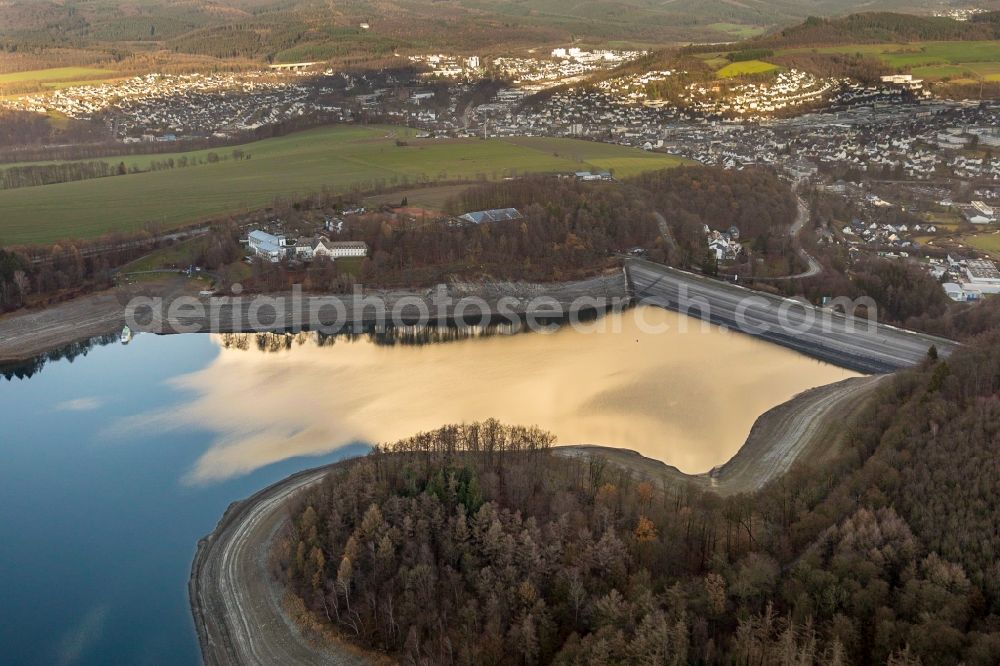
point(36, 33)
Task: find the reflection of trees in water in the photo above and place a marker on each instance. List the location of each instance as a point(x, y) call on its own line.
point(31, 367)
point(389, 337)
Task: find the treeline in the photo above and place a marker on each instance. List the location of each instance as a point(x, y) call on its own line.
point(61, 272)
point(568, 230)
point(749, 54)
point(905, 294)
point(862, 68)
point(22, 128)
point(879, 27)
point(42, 275)
point(31, 367)
point(63, 172)
point(103, 145)
point(476, 545)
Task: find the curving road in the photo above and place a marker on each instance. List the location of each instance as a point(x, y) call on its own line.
point(237, 605)
point(814, 267)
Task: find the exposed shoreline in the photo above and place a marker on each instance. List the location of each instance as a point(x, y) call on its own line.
point(27, 334)
point(780, 437)
point(816, 332)
point(230, 571)
point(236, 604)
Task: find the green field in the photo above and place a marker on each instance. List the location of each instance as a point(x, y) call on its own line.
point(744, 68)
point(931, 60)
point(340, 159)
point(177, 255)
point(430, 198)
point(986, 242)
point(737, 30)
point(55, 76)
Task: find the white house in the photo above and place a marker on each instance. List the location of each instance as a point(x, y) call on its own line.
point(339, 249)
point(304, 248)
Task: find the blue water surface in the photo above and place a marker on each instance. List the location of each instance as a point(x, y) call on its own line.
point(97, 531)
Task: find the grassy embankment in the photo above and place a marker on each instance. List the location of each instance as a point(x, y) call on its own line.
point(337, 158)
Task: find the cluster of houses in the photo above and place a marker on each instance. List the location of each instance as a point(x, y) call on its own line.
point(787, 90)
point(536, 73)
point(903, 140)
point(894, 236)
point(153, 106)
point(565, 65)
point(276, 248)
point(576, 113)
point(908, 83)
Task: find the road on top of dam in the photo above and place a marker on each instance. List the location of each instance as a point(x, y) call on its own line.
point(853, 343)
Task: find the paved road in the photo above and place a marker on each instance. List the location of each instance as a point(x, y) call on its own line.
point(235, 601)
point(800, 220)
point(814, 267)
point(850, 343)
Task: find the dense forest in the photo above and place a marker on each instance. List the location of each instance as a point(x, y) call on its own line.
point(568, 230)
point(755, 201)
point(476, 544)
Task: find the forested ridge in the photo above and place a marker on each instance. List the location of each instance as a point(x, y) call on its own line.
point(476, 544)
point(878, 27)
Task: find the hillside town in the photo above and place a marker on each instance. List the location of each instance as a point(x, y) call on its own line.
point(911, 167)
point(533, 73)
point(166, 107)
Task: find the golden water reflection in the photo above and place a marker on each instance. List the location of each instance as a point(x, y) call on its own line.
point(688, 399)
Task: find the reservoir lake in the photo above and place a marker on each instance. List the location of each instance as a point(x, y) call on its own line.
point(114, 464)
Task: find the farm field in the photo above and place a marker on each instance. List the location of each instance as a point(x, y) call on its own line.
point(930, 60)
point(737, 30)
point(987, 242)
point(55, 76)
point(744, 68)
point(340, 159)
point(430, 198)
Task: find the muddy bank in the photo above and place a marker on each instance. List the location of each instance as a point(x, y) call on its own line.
point(810, 425)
